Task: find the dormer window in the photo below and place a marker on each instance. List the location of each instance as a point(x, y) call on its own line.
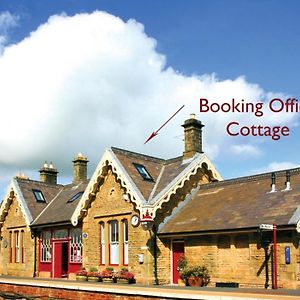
point(75, 197)
point(143, 172)
point(39, 197)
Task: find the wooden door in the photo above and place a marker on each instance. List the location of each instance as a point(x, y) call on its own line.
point(57, 260)
point(178, 252)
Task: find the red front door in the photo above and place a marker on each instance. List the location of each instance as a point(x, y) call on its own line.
point(60, 259)
point(178, 252)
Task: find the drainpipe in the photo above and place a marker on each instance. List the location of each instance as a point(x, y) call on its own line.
point(275, 286)
point(267, 267)
point(34, 253)
point(155, 253)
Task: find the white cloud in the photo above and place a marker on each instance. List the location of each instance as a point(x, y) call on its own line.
point(7, 21)
point(275, 166)
point(246, 150)
point(86, 82)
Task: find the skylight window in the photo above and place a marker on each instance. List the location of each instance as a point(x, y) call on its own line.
point(39, 197)
point(75, 197)
point(143, 172)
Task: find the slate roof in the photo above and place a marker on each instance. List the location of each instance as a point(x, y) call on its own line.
point(163, 171)
point(49, 191)
point(152, 164)
point(237, 204)
point(60, 209)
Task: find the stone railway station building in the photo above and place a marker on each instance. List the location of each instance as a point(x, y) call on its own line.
point(144, 213)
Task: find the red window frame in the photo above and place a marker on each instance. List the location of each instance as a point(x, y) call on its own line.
point(125, 227)
point(102, 235)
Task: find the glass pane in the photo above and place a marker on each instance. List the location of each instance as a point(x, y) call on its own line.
point(114, 254)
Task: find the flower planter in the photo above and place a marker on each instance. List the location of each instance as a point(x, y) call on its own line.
point(109, 279)
point(93, 278)
point(195, 281)
point(126, 280)
point(81, 277)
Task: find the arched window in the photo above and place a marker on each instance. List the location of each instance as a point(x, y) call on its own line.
point(125, 242)
point(17, 247)
point(114, 243)
point(102, 243)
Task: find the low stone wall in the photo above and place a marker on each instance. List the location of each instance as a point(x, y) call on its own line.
point(58, 293)
point(69, 290)
point(28, 288)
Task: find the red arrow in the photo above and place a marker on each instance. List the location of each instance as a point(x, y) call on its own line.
point(154, 133)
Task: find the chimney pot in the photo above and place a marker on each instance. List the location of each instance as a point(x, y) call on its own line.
point(273, 184)
point(192, 137)
point(288, 180)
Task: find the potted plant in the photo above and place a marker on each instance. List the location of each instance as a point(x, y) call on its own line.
point(124, 274)
point(81, 275)
point(93, 275)
point(108, 273)
point(181, 265)
point(195, 275)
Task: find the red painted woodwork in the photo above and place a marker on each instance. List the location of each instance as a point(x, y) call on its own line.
point(60, 259)
point(60, 265)
point(178, 252)
point(57, 260)
point(74, 267)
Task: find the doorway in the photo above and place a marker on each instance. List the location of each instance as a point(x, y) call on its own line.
point(177, 253)
point(61, 255)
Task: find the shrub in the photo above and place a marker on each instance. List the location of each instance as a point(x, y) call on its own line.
point(195, 271)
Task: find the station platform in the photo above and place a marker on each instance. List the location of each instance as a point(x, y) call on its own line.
point(38, 288)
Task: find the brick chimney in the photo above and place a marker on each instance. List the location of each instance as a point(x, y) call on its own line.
point(48, 173)
point(192, 137)
point(80, 168)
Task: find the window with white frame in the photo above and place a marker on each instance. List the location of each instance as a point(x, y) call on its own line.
point(76, 245)
point(17, 247)
point(114, 243)
point(10, 247)
point(102, 244)
point(22, 246)
point(46, 247)
point(125, 242)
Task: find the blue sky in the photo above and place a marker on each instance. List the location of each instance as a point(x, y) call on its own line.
point(258, 40)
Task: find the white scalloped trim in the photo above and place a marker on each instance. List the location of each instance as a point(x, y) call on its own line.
point(165, 195)
point(12, 191)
